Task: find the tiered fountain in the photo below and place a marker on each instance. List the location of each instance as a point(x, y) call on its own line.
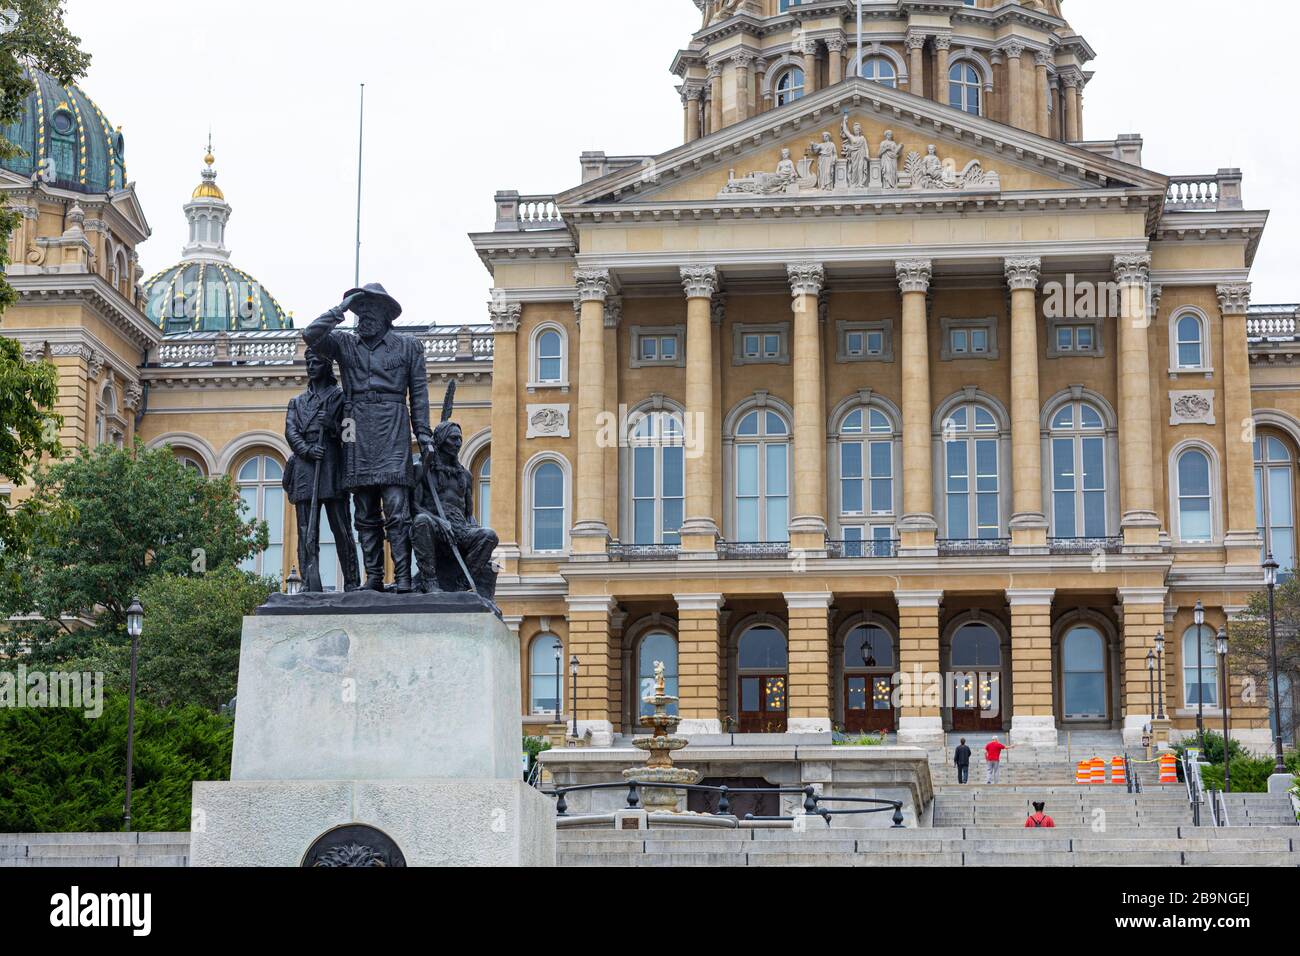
point(658, 767)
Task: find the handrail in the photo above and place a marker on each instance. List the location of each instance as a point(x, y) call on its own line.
point(1192, 779)
point(811, 803)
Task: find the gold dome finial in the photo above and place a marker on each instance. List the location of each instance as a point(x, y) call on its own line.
point(208, 189)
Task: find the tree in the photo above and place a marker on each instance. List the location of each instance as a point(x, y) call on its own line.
point(138, 514)
point(189, 654)
point(1250, 647)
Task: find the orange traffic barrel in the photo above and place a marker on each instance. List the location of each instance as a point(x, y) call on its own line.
point(1168, 768)
point(1083, 775)
point(1098, 770)
point(1117, 771)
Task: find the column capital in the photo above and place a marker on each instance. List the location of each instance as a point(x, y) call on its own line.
point(718, 308)
point(593, 284)
point(806, 278)
point(505, 315)
point(700, 282)
point(1071, 78)
point(943, 41)
point(698, 602)
point(836, 44)
point(1234, 299)
point(1023, 271)
point(715, 70)
point(1014, 49)
point(1038, 597)
point(613, 311)
point(742, 60)
point(1134, 269)
point(915, 40)
point(808, 600)
point(1042, 59)
point(918, 598)
point(692, 92)
point(914, 274)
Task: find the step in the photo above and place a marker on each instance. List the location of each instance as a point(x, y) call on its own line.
point(1219, 858)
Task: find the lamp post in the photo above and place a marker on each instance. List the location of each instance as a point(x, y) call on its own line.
point(1270, 578)
point(1160, 669)
point(134, 628)
point(1198, 615)
point(559, 671)
point(1221, 646)
point(573, 675)
point(293, 583)
point(1151, 681)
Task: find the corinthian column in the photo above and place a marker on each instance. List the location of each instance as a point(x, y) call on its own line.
point(1242, 536)
point(917, 527)
point(691, 101)
point(1028, 524)
point(1072, 81)
point(700, 528)
point(916, 63)
point(590, 529)
point(942, 46)
point(1015, 84)
point(715, 97)
point(808, 526)
point(835, 59)
point(742, 63)
point(1140, 523)
point(1042, 95)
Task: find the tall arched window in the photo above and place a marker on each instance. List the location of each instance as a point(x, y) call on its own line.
point(1195, 519)
point(1274, 499)
point(972, 484)
point(656, 646)
point(1190, 341)
point(657, 448)
point(548, 507)
point(1078, 437)
point(1083, 674)
point(1206, 676)
point(545, 672)
point(880, 70)
point(762, 662)
point(762, 478)
point(789, 86)
point(868, 679)
point(548, 356)
point(976, 659)
point(964, 88)
point(868, 487)
point(259, 485)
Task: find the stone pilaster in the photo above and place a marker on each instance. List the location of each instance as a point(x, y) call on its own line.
point(742, 63)
point(700, 528)
point(505, 430)
point(700, 663)
point(1032, 720)
point(942, 48)
point(691, 97)
point(1140, 523)
point(808, 525)
point(715, 97)
point(809, 66)
point(1028, 523)
point(917, 526)
point(1072, 81)
point(1042, 95)
point(589, 639)
point(1144, 614)
point(835, 57)
point(916, 63)
point(919, 720)
point(809, 678)
point(1242, 537)
point(590, 529)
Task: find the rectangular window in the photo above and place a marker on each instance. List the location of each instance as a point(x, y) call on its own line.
point(959, 342)
point(979, 341)
point(851, 478)
point(656, 346)
point(751, 346)
point(855, 343)
point(882, 475)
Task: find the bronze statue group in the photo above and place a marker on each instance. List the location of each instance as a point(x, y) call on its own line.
point(353, 440)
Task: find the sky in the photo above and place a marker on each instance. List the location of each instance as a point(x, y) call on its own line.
point(465, 99)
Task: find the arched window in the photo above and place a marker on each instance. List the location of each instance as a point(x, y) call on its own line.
point(976, 659)
point(259, 485)
point(1189, 335)
point(868, 483)
point(1274, 499)
point(868, 682)
point(483, 483)
point(192, 462)
point(789, 86)
point(762, 661)
point(548, 496)
point(762, 478)
point(658, 463)
point(545, 670)
point(1078, 437)
point(656, 646)
point(1206, 675)
point(548, 362)
point(972, 485)
point(964, 88)
point(1192, 476)
point(1083, 674)
point(879, 70)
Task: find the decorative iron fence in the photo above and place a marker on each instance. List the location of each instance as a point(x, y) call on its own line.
point(954, 547)
point(1109, 545)
point(643, 552)
point(887, 548)
point(753, 550)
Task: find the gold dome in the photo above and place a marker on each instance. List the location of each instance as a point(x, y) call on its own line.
point(208, 189)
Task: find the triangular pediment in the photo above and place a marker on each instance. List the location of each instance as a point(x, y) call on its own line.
point(800, 153)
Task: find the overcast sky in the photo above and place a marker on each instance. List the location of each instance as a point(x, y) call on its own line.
point(466, 99)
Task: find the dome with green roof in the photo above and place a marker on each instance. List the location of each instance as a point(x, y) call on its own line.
point(65, 139)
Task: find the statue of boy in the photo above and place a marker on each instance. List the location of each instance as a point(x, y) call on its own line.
point(313, 477)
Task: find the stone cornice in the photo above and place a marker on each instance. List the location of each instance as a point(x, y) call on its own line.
point(94, 292)
point(63, 341)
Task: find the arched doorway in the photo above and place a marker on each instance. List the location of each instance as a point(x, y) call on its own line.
point(1084, 692)
point(868, 679)
point(976, 664)
point(762, 665)
point(657, 646)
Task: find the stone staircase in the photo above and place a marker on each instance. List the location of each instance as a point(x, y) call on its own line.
point(1260, 810)
point(1079, 806)
point(94, 849)
point(1044, 766)
point(947, 846)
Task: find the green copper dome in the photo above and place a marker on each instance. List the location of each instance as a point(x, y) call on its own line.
point(206, 296)
point(66, 139)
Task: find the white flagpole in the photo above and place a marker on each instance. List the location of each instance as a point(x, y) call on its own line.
point(859, 6)
point(361, 138)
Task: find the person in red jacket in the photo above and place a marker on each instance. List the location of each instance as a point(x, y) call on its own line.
point(993, 759)
point(1038, 819)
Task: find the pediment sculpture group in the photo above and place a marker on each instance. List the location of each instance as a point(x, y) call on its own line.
point(849, 166)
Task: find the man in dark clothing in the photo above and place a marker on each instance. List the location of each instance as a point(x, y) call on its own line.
point(386, 391)
point(315, 473)
point(962, 759)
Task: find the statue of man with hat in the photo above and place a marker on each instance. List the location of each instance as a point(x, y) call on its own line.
point(386, 400)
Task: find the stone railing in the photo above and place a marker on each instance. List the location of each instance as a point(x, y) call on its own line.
point(1272, 322)
point(517, 213)
point(1217, 191)
point(467, 343)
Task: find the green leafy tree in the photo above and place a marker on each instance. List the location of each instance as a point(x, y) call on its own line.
point(138, 514)
point(1250, 646)
point(189, 653)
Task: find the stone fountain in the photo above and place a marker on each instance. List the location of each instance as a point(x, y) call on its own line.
point(658, 768)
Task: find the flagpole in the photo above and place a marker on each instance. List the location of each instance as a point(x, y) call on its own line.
point(361, 138)
point(858, 4)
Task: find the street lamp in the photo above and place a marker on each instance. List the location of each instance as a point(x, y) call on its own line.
point(1160, 669)
point(134, 628)
point(1221, 646)
point(1198, 615)
point(1270, 578)
point(573, 680)
point(559, 670)
point(1151, 683)
point(293, 583)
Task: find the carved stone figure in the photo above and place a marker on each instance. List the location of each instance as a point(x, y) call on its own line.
point(889, 150)
point(766, 184)
point(858, 152)
point(313, 477)
point(930, 171)
point(386, 398)
point(825, 151)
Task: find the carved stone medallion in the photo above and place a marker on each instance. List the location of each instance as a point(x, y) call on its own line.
point(356, 845)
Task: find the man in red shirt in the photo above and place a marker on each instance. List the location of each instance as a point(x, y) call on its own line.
point(993, 759)
point(1038, 819)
